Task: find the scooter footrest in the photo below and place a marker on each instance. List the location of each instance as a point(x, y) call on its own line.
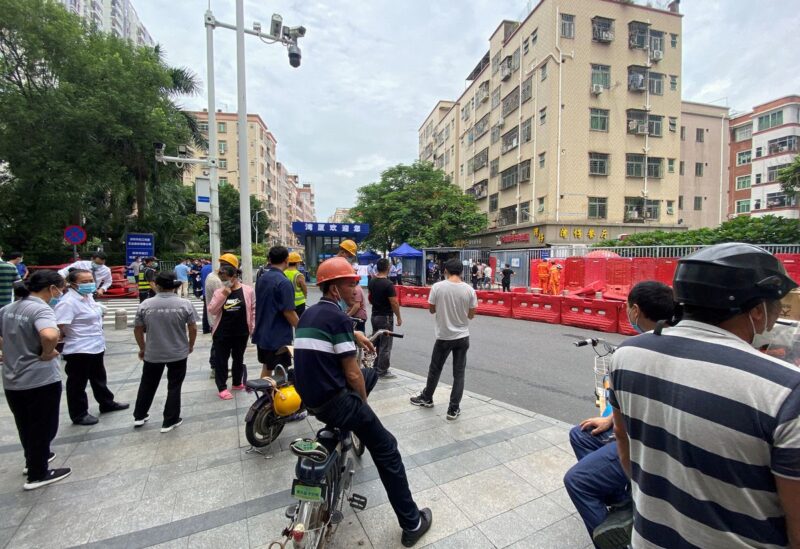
point(336, 517)
point(357, 501)
point(291, 511)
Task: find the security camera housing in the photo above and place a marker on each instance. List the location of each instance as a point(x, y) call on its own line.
point(276, 26)
point(294, 55)
point(159, 147)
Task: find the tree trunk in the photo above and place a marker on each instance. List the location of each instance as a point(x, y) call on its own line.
point(141, 197)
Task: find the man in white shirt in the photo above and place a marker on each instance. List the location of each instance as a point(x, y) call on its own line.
point(97, 266)
point(487, 277)
point(454, 303)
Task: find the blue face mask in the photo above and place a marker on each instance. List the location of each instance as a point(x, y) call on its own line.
point(634, 325)
point(87, 288)
point(54, 300)
point(342, 305)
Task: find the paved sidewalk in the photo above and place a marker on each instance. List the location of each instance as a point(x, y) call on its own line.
point(493, 478)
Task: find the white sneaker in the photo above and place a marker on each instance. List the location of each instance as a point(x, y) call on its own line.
point(49, 460)
point(171, 427)
point(140, 422)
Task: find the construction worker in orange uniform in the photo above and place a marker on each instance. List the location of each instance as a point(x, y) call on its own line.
point(555, 279)
point(543, 270)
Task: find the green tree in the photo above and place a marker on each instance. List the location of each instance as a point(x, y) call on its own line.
point(768, 229)
point(80, 110)
point(416, 204)
point(230, 220)
point(790, 177)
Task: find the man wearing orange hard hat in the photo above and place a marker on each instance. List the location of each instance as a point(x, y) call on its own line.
point(335, 389)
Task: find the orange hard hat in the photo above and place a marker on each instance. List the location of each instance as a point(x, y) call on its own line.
point(335, 268)
point(349, 246)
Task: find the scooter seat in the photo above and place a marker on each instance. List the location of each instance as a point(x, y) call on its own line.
point(260, 384)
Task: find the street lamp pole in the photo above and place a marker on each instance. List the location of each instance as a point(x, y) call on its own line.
point(213, 222)
point(246, 263)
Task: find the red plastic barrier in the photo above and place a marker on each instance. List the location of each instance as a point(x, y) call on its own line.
point(400, 291)
point(519, 290)
point(665, 269)
point(619, 275)
point(589, 290)
point(625, 327)
point(594, 314)
point(415, 296)
point(495, 304)
point(644, 268)
point(573, 276)
point(536, 307)
point(791, 262)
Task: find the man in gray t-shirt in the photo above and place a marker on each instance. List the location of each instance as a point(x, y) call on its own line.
point(171, 324)
point(454, 303)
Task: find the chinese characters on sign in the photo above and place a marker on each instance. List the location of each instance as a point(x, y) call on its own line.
point(508, 238)
point(330, 229)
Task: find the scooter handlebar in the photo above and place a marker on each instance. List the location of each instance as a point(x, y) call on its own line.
point(584, 342)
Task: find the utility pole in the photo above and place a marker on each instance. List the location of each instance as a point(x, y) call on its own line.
point(278, 33)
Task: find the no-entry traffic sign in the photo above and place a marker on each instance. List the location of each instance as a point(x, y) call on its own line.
point(75, 235)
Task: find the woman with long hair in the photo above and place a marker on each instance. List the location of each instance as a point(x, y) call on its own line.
point(234, 309)
point(80, 319)
point(31, 380)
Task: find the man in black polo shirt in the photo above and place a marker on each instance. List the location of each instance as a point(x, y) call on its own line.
point(275, 312)
point(335, 389)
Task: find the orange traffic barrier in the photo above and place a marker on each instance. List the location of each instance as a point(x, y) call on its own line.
point(791, 262)
point(665, 269)
point(536, 307)
point(494, 304)
point(593, 314)
point(625, 327)
point(400, 291)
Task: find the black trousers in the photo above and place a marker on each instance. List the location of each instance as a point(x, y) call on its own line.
point(206, 325)
point(441, 350)
point(300, 309)
point(80, 368)
point(350, 413)
point(384, 344)
point(226, 347)
point(36, 415)
point(398, 280)
point(151, 377)
point(506, 286)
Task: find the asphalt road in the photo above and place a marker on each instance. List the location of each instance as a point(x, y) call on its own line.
point(532, 365)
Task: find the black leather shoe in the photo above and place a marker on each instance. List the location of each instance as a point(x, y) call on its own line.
point(115, 407)
point(88, 419)
point(411, 537)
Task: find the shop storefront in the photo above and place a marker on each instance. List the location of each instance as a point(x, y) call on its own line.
point(321, 240)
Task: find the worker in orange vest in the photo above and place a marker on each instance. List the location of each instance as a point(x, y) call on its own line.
point(544, 276)
point(555, 279)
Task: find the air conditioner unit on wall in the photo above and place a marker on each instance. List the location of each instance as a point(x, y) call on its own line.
point(642, 129)
point(501, 122)
point(597, 89)
point(632, 125)
point(658, 55)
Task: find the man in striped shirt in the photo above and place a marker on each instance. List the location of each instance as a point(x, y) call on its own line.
point(707, 427)
point(335, 389)
point(8, 275)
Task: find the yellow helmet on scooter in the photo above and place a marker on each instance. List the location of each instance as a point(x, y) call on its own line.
point(286, 401)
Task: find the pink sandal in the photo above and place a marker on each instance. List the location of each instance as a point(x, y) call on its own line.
point(225, 394)
point(238, 387)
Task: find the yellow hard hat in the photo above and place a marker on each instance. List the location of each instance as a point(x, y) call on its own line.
point(349, 246)
point(230, 258)
point(286, 401)
point(294, 257)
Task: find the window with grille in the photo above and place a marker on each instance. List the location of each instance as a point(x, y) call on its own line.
point(493, 203)
point(743, 206)
point(527, 133)
point(510, 140)
point(510, 102)
point(598, 163)
point(743, 182)
point(527, 89)
point(598, 120)
point(567, 26)
point(634, 165)
point(601, 75)
point(509, 178)
point(655, 167)
point(598, 207)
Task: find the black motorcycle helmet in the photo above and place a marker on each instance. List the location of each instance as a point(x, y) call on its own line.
point(730, 277)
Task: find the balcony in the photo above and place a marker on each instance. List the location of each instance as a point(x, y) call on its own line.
point(602, 30)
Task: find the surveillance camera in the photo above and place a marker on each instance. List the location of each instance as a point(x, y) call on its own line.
point(293, 33)
point(294, 56)
point(159, 148)
point(183, 150)
point(298, 32)
point(256, 26)
point(276, 26)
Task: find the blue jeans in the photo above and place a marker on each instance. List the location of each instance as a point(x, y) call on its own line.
point(598, 479)
point(350, 413)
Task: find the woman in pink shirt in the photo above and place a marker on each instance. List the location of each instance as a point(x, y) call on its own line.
point(234, 309)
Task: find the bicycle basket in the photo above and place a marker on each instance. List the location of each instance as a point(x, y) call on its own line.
point(601, 383)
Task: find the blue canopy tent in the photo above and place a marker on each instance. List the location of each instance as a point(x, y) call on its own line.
point(412, 263)
point(370, 256)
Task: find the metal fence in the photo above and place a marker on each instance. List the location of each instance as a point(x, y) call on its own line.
point(657, 251)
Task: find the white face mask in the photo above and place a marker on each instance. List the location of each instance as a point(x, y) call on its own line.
point(765, 337)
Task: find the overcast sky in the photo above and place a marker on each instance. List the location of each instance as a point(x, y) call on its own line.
point(373, 70)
